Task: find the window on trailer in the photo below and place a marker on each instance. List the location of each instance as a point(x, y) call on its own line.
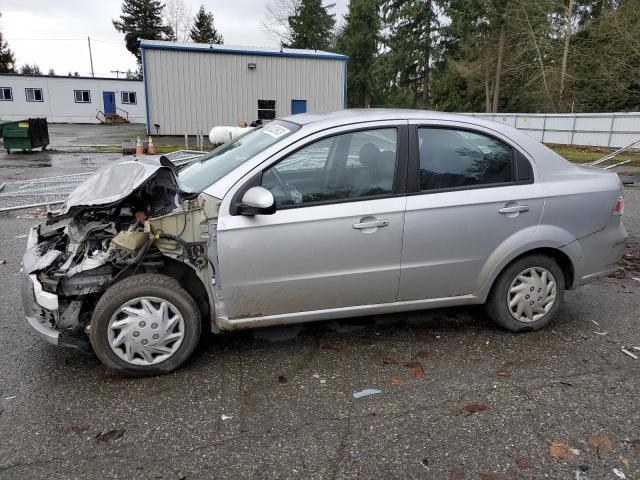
point(82, 96)
point(266, 109)
point(129, 98)
point(6, 94)
point(34, 94)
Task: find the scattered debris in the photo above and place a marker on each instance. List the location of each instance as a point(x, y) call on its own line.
point(600, 333)
point(595, 322)
point(282, 379)
point(110, 435)
point(425, 462)
point(602, 444)
point(636, 279)
point(631, 354)
point(390, 361)
point(18, 237)
point(524, 463)
point(503, 373)
point(456, 474)
point(416, 368)
point(226, 417)
point(323, 381)
point(637, 349)
point(2, 262)
point(115, 380)
point(475, 408)
point(399, 382)
point(561, 451)
point(76, 429)
point(10, 398)
point(619, 473)
point(333, 348)
point(624, 461)
point(316, 375)
point(566, 384)
point(366, 393)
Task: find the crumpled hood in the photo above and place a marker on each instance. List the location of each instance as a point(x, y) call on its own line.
point(113, 182)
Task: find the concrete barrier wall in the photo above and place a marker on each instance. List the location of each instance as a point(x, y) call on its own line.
point(597, 129)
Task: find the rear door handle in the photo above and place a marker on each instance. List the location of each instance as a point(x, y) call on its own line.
point(515, 209)
point(371, 224)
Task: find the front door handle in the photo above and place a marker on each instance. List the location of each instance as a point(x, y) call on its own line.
point(371, 224)
point(515, 209)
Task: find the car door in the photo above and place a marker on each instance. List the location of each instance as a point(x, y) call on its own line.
point(335, 240)
point(471, 198)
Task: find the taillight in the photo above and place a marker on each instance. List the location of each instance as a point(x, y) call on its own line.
point(619, 208)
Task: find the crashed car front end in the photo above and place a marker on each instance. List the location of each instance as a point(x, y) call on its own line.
point(128, 218)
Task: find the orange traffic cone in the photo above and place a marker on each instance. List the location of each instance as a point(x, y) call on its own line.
point(139, 149)
point(151, 150)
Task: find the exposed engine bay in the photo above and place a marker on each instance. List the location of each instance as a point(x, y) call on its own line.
point(149, 226)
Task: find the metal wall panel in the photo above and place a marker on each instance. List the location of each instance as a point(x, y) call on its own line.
point(617, 129)
point(191, 90)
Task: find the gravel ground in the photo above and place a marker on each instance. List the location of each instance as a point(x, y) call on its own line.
point(461, 398)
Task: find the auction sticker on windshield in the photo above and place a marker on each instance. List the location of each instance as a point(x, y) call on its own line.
point(276, 131)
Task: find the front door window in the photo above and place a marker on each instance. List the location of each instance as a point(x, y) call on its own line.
point(354, 165)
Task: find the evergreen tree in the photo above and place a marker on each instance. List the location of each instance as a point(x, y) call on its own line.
point(412, 42)
point(27, 69)
point(51, 72)
point(7, 58)
point(141, 19)
point(312, 26)
point(203, 30)
point(359, 39)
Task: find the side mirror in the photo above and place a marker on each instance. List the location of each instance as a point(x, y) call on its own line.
point(258, 201)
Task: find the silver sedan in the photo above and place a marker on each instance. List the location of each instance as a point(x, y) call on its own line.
point(315, 217)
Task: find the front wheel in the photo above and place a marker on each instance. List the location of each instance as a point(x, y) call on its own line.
point(527, 294)
point(145, 325)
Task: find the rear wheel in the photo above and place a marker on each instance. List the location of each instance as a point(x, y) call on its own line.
point(527, 294)
point(145, 325)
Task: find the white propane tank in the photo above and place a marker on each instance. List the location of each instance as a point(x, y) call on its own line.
point(219, 135)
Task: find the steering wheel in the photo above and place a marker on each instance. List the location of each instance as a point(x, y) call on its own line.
point(282, 185)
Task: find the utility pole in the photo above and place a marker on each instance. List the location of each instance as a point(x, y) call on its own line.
point(90, 56)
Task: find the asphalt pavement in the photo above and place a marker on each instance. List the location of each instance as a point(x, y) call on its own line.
point(460, 398)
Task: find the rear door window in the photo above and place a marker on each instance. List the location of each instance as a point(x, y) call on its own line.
point(452, 158)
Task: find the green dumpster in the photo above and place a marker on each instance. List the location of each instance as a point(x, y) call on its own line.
point(25, 134)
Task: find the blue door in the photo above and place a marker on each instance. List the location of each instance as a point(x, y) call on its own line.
point(109, 99)
point(298, 106)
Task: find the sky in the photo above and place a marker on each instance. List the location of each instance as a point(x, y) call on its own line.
point(53, 33)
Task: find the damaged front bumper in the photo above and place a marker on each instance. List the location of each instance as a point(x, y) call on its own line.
point(41, 307)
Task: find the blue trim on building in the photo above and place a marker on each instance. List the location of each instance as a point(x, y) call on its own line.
point(258, 53)
point(146, 95)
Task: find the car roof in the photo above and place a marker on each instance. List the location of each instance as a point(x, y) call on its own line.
point(354, 115)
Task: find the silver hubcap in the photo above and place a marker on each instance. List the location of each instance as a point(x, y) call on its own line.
point(146, 331)
point(532, 294)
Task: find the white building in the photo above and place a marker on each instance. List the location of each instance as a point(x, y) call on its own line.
point(71, 99)
point(193, 87)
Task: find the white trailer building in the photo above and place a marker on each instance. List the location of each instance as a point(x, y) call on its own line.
point(192, 87)
point(71, 99)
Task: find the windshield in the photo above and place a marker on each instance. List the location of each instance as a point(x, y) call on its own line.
point(212, 167)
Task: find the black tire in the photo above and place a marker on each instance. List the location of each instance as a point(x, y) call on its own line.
point(497, 306)
point(152, 285)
